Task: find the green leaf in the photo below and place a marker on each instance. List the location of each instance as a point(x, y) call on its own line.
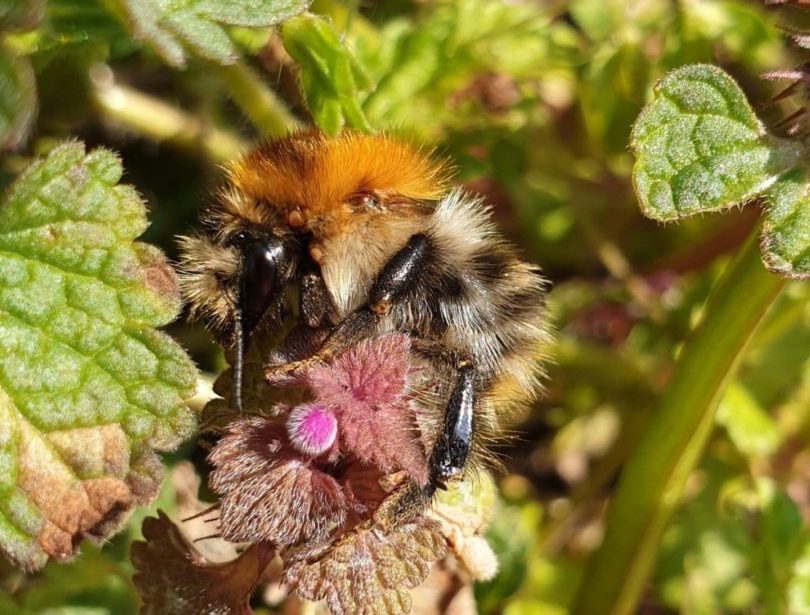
point(749, 427)
point(88, 387)
point(699, 147)
point(786, 231)
point(172, 25)
point(332, 78)
point(18, 99)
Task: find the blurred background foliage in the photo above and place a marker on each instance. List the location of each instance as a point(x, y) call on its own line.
point(533, 101)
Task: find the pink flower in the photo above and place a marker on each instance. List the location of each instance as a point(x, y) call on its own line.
point(312, 429)
point(368, 389)
point(270, 491)
point(310, 478)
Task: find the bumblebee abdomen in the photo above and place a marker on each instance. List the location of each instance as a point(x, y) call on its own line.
point(480, 300)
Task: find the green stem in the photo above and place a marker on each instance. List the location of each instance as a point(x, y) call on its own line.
point(156, 120)
point(652, 482)
point(260, 104)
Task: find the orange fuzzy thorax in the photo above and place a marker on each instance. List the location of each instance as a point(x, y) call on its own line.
point(317, 177)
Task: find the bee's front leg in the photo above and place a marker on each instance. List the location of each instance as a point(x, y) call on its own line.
point(398, 277)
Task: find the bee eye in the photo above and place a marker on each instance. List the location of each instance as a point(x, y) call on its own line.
point(239, 239)
point(263, 262)
point(366, 200)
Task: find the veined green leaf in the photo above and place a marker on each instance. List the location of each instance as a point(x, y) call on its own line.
point(699, 147)
point(172, 25)
point(88, 387)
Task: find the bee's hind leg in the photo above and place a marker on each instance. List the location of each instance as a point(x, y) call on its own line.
point(447, 459)
point(449, 455)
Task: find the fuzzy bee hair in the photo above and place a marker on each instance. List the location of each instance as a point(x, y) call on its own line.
point(357, 200)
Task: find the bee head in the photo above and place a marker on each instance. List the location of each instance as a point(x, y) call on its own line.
point(233, 276)
point(327, 188)
point(302, 197)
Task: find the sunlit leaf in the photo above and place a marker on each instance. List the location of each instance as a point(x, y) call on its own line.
point(699, 147)
point(88, 387)
point(332, 78)
point(786, 231)
point(172, 26)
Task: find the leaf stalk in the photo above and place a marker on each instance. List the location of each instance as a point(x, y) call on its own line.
point(653, 480)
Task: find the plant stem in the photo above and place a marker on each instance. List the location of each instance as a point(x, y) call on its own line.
point(259, 103)
point(157, 120)
point(652, 482)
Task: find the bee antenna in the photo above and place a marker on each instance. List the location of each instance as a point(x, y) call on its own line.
point(239, 361)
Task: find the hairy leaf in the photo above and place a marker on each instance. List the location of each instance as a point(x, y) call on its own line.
point(88, 388)
point(172, 25)
point(368, 568)
point(786, 231)
point(18, 99)
point(331, 76)
point(699, 147)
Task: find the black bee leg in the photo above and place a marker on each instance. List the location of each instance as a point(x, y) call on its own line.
point(397, 278)
point(447, 459)
point(450, 452)
point(400, 274)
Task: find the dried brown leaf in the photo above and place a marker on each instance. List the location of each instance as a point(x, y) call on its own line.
point(174, 579)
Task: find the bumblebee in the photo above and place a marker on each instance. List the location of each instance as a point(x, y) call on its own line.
point(370, 231)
